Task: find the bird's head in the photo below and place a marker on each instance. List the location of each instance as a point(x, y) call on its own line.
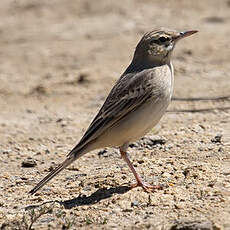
point(157, 46)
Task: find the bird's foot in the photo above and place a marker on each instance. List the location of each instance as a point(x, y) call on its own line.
point(146, 187)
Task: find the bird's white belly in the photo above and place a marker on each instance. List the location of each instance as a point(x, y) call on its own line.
point(136, 124)
point(144, 119)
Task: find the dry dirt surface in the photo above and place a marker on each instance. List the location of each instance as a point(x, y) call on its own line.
point(58, 61)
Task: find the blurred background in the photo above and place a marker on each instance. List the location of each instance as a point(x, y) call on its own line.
point(66, 55)
point(45, 43)
point(58, 61)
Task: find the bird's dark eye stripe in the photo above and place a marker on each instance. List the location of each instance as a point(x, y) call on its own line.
point(160, 40)
point(163, 39)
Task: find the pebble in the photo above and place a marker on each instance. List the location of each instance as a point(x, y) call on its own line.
point(134, 203)
point(216, 139)
point(102, 152)
point(29, 163)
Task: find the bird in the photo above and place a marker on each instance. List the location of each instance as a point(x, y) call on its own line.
point(134, 105)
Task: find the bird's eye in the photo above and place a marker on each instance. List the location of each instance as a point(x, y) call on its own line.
point(163, 39)
point(160, 40)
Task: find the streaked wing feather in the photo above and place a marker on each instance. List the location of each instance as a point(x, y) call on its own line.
point(118, 104)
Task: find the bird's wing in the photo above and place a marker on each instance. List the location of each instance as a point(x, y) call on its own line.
point(129, 93)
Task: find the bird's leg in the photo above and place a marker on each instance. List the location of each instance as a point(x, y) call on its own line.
point(140, 182)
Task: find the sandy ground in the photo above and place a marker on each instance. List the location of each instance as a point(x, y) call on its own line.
point(59, 59)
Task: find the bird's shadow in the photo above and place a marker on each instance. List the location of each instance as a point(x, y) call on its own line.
point(100, 194)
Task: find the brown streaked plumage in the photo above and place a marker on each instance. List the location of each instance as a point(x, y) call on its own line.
point(135, 104)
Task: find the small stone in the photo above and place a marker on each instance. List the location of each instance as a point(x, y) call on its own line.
point(6, 151)
point(29, 163)
point(134, 203)
point(170, 146)
point(29, 111)
point(133, 145)
point(83, 77)
point(179, 206)
point(186, 172)
point(217, 139)
point(220, 149)
point(47, 151)
point(140, 161)
point(59, 120)
point(102, 152)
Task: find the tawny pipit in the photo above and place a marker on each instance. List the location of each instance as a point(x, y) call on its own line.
point(135, 104)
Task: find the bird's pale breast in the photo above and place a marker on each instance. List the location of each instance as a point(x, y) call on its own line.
point(140, 121)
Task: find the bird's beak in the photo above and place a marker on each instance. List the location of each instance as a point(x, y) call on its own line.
point(184, 34)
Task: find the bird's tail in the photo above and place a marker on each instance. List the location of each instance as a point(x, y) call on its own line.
point(52, 174)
